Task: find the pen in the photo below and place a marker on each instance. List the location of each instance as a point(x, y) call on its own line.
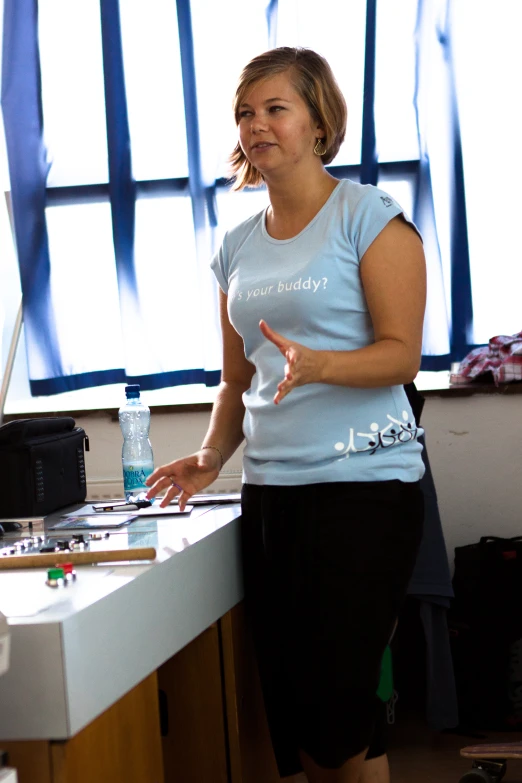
point(122, 506)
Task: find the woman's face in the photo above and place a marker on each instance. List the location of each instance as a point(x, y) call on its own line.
point(276, 130)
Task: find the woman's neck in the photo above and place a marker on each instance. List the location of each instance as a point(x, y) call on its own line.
point(294, 204)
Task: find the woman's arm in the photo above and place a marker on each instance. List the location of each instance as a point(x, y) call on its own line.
point(193, 473)
point(225, 430)
point(393, 274)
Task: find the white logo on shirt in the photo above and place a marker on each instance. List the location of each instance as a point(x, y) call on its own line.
point(395, 433)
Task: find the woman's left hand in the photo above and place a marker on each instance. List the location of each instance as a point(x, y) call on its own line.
point(303, 365)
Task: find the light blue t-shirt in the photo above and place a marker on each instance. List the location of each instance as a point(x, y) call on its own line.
point(308, 288)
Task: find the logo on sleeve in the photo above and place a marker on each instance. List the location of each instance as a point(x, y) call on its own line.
point(387, 201)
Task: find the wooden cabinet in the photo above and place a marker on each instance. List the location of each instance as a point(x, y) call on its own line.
point(199, 719)
point(122, 745)
point(193, 716)
point(32, 760)
point(217, 728)
point(250, 749)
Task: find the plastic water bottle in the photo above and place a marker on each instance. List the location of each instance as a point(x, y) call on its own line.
point(136, 453)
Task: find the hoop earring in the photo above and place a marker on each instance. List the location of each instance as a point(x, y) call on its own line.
point(319, 148)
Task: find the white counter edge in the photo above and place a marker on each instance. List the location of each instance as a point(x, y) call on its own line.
point(64, 674)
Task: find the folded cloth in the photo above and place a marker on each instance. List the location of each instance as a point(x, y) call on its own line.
point(502, 357)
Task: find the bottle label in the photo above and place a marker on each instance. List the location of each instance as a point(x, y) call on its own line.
point(135, 476)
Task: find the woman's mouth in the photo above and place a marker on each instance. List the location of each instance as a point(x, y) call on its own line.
point(262, 146)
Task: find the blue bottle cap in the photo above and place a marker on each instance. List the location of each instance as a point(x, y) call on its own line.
point(132, 391)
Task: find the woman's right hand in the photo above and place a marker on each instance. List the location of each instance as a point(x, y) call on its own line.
point(184, 477)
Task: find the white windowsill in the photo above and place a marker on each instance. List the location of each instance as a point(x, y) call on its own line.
point(107, 397)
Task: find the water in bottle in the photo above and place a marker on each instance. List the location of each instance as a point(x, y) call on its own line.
point(136, 453)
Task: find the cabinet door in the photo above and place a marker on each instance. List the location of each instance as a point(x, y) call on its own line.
point(123, 745)
point(193, 720)
point(250, 748)
point(31, 759)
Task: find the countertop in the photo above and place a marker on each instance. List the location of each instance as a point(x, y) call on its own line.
point(76, 650)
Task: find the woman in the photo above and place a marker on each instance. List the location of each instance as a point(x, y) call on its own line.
point(322, 306)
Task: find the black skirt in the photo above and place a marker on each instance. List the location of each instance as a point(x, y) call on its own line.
point(326, 569)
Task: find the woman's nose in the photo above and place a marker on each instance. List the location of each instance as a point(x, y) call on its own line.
point(258, 123)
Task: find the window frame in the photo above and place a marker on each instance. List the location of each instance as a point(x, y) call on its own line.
point(204, 197)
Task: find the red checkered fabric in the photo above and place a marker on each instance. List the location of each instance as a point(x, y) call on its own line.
point(502, 357)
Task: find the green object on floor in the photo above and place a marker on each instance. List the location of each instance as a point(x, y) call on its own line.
point(385, 689)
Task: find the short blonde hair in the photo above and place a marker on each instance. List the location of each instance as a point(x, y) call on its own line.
point(314, 81)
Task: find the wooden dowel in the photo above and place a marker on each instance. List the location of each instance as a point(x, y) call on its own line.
point(50, 559)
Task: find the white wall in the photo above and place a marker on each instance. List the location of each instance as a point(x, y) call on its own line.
point(475, 449)
point(474, 444)
point(172, 435)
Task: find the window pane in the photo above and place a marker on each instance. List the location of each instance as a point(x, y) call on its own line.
point(341, 40)
point(395, 120)
point(491, 128)
point(168, 282)
point(84, 288)
point(154, 89)
point(73, 92)
point(221, 50)
point(234, 207)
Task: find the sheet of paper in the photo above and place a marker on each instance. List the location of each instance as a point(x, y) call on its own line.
point(150, 511)
point(156, 511)
point(214, 498)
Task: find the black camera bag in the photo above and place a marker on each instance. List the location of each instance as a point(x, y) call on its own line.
point(485, 624)
point(42, 465)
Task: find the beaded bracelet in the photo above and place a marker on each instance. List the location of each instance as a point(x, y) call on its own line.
point(218, 451)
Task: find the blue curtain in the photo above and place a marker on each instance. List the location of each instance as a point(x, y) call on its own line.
point(22, 113)
point(440, 210)
point(122, 188)
point(369, 168)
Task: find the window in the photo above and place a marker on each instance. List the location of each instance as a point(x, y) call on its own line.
point(72, 92)
point(154, 89)
point(137, 131)
point(342, 43)
point(488, 70)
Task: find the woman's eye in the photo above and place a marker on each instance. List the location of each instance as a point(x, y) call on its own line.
point(274, 109)
point(244, 113)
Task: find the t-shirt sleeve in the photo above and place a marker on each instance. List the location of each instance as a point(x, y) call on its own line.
point(370, 215)
point(219, 265)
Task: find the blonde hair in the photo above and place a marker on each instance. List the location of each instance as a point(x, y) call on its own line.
point(314, 81)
